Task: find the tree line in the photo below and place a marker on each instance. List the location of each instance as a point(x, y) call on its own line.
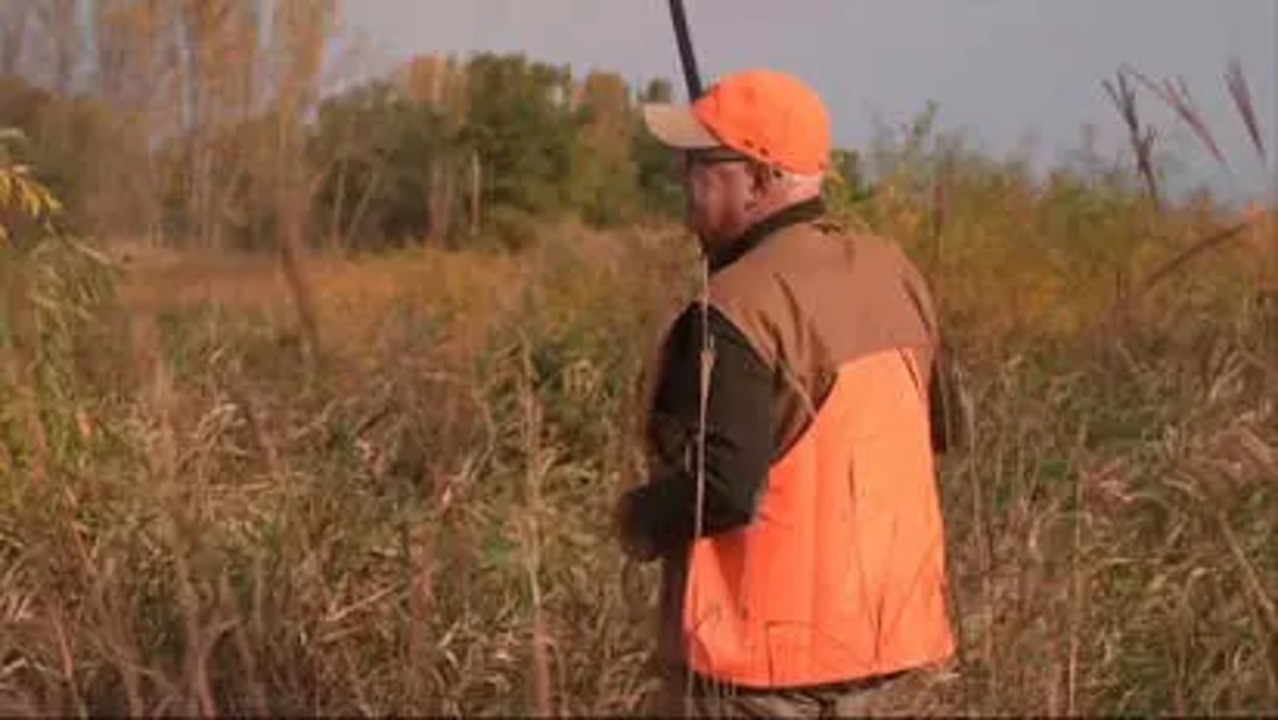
point(223, 124)
point(446, 148)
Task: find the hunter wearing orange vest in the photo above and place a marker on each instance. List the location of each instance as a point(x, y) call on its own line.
point(805, 555)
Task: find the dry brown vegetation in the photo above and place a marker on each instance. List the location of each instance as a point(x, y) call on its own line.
point(416, 525)
point(396, 501)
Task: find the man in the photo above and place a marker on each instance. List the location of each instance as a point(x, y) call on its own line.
point(799, 523)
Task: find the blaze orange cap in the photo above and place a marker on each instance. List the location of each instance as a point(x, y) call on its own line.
point(769, 116)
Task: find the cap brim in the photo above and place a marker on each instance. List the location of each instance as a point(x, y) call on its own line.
point(676, 127)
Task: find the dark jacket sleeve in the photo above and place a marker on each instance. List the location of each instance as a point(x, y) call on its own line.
point(738, 437)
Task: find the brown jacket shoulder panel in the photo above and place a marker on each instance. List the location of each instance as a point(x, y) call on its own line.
point(809, 292)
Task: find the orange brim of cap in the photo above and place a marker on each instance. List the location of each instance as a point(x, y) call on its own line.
point(677, 127)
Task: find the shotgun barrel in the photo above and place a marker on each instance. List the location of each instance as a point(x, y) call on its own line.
point(691, 76)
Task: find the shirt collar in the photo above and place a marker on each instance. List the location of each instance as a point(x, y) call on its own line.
point(754, 236)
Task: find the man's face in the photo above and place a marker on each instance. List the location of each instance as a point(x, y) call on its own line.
point(718, 189)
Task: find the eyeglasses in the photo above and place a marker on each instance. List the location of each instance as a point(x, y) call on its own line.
point(720, 156)
point(715, 156)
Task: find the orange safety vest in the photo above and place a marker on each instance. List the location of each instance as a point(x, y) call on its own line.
point(842, 574)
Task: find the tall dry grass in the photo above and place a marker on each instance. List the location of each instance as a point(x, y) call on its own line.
point(418, 524)
point(422, 529)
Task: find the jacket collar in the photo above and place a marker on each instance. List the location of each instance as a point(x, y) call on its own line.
point(754, 236)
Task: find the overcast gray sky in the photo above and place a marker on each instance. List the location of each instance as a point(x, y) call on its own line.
point(1001, 70)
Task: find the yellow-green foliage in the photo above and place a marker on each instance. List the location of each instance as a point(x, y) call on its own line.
point(49, 286)
point(21, 195)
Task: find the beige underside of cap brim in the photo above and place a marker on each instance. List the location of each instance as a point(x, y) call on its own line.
point(676, 126)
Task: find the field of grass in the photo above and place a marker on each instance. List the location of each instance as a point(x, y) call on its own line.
point(197, 516)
